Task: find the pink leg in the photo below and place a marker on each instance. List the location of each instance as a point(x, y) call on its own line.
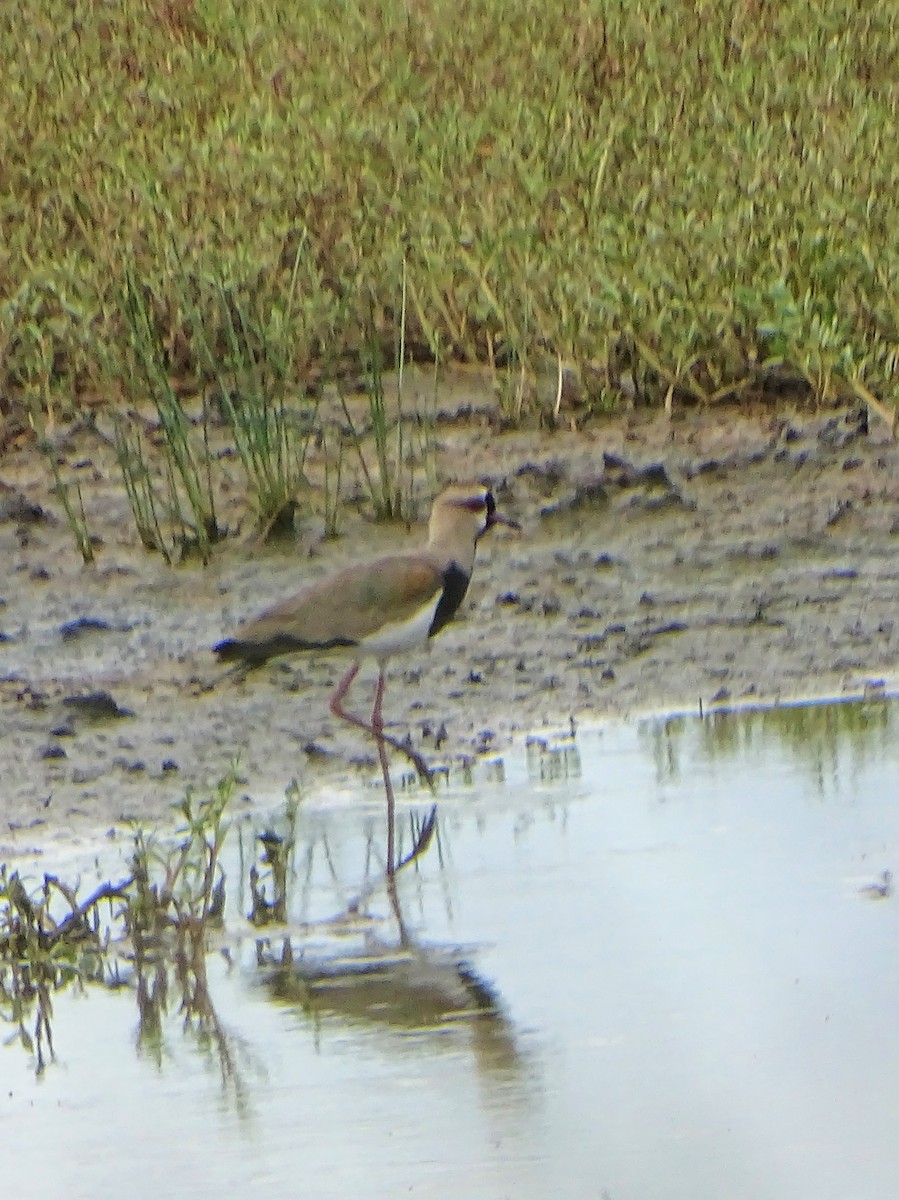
point(336, 706)
point(377, 724)
point(397, 911)
point(336, 702)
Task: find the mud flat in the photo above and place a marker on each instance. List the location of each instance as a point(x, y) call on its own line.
point(718, 558)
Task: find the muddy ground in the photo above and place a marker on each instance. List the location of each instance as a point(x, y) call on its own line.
point(719, 557)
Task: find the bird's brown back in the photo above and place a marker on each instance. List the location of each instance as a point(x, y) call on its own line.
point(340, 610)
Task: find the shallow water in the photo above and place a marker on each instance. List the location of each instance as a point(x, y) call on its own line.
point(677, 983)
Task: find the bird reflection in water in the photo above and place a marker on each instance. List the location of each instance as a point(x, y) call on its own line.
point(364, 969)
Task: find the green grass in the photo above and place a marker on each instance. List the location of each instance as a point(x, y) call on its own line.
point(688, 195)
point(153, 925)
point(62, 488)
point(187, 462)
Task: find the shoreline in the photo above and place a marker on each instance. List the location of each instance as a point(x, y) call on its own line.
point(721, 558)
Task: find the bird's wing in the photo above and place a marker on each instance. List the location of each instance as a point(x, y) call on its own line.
point(345, 608)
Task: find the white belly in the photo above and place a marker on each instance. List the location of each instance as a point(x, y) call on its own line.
point(402, 635)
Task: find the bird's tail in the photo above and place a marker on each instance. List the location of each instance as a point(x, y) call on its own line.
point(233, 650)
point(254, 652)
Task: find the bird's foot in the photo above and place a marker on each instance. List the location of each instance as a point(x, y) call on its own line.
point(405, 747)
point(422, 841)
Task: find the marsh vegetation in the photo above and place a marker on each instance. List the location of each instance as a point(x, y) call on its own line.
point(641, 203)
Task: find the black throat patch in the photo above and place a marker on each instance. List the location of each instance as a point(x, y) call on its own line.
point(455, 585)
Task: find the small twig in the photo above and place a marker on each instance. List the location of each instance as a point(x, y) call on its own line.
point(732, 390)
point(889, 418)
point(683, 379)
point(559, 380)
point(108, 891)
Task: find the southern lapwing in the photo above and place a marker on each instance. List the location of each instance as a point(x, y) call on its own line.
point(377, 609)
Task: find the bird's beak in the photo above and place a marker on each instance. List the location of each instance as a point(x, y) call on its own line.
point(498, 518)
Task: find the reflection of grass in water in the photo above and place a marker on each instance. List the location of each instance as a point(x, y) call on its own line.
point(820, 736)
point(154, 931)
point(40, 955)
point(150, 931)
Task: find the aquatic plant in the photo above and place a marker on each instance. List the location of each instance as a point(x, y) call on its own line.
point(63, 488)
point(401, 435)
point(152, 924)
point(189, 494)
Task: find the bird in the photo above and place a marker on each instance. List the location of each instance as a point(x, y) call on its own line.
point(376, 609)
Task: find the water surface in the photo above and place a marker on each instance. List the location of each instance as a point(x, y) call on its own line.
point(677, 983)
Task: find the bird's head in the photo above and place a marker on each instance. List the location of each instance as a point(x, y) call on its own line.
point(464, 512)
